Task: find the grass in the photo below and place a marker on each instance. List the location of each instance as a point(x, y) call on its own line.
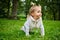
point(10, 30)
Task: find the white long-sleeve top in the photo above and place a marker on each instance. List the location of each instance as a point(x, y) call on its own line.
point(31, 23)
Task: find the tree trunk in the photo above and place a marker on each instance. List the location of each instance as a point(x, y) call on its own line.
point(58, 3)
point(14, 9)
point(54, 15)
point(8, 8)
point(59, 11)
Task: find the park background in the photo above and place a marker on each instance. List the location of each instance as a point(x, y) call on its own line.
point(13, 14)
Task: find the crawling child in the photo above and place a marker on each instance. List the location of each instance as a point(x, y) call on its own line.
point(34, 20)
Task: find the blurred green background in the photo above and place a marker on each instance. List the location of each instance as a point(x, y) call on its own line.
point(12, 9)
point(13, 14)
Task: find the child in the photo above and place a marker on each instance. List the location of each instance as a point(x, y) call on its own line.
point(34, 20)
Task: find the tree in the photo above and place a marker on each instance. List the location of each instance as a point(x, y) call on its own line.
point(14, 9)
point(58, 4)
point(8, 8)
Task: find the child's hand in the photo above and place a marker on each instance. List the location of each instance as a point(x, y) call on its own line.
point(28, 35)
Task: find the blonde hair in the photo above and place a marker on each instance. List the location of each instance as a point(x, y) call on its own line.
point(33, 7)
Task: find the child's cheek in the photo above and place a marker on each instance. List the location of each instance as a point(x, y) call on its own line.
point(38, 14)
point(32, 14)
point(41, 14)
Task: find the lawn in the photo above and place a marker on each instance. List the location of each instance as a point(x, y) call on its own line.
point(10, 30)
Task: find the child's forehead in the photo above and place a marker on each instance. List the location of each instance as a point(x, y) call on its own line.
point(36, 8)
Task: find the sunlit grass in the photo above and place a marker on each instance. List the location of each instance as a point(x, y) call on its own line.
point(10, 30)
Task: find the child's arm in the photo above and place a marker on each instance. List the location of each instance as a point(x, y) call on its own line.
point(42, 27)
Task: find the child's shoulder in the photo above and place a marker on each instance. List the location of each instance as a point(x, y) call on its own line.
point(29, 17)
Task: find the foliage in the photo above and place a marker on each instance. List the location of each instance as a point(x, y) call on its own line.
point(3, 7)
point(50, 8)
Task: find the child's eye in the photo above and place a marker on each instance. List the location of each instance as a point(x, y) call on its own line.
point(38, 11)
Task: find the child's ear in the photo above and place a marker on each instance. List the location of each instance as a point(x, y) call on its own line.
point(32, 14)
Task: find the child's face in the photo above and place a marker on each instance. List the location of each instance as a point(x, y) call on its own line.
point(37, 13)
